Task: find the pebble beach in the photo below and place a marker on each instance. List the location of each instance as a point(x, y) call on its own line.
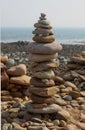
point(21, 46)
point(15, 112)
point(42, 83)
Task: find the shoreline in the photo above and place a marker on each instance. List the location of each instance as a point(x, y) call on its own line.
point(21, 46)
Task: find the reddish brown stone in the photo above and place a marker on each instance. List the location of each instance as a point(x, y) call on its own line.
point(44, 92)
point(6, 98)
point(39, 99)
point(16, 94)
point(42, 82)
point(21, 80)
point(38, 25)
point(4, 80)
point(3, 59)
point(43, 39)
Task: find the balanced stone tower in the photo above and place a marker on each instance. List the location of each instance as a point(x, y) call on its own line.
point(43, 54)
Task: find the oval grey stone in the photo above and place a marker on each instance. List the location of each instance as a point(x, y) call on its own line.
point(47, 109)
point(10, 63)
point(46, 22)
point(39, 48)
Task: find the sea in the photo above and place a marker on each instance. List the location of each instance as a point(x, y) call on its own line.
point(62, 35)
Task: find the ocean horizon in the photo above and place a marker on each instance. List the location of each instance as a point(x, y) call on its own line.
point(62, 35)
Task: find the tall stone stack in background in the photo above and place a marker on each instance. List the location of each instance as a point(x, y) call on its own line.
point(71, 81)
point(76, 70)
point(42, 57)
point(18, 81)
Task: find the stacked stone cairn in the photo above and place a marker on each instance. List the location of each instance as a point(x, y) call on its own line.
point(42, 56)
point(71, 81)
point(43, 32)
point(75, 72)
point(14, 81)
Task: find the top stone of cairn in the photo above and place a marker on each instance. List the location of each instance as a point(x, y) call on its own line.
point(43, 32)
point(43, 15)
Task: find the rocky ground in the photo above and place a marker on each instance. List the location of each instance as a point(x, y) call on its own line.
point(19, 51)
point(70, 97)
point(68, 50)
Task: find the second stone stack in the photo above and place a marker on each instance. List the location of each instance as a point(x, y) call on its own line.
point(43, 54)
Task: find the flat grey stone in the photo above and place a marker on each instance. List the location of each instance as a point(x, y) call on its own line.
point(41, 58)
point(42, 18)
point(44, 74)
point(40, 48)
point(47, 109)
point(46, 22)
point(43, 14)
point(67, 97)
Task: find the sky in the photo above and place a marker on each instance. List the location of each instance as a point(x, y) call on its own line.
point(61, 13)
